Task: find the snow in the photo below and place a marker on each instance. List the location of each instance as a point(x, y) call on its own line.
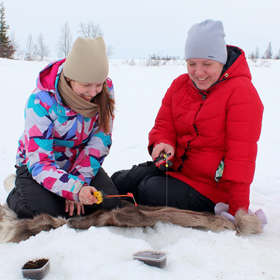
point(106, 253)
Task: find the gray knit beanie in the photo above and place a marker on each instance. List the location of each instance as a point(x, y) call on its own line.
point(87, 61)
point(206, 40)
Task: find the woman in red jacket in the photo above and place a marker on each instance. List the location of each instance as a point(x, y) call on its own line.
point(208, 125)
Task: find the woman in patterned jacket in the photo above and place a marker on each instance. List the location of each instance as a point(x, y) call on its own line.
point(67, 135)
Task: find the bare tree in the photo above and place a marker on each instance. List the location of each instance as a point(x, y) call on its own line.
point(109, 51)
point(31, 49)
point(65, 41)
point(18, 53)
point(268, 52)
point(277, 56)
point(90, 30)
point(42, 49)
point(257, 53)
point(252, 56)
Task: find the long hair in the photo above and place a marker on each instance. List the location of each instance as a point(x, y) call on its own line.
point(106, 106)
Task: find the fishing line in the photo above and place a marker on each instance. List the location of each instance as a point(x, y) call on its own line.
point(166, 180)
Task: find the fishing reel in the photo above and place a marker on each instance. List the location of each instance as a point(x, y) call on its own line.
point(163, 161)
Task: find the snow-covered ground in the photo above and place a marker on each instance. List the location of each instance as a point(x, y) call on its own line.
point(106, 253)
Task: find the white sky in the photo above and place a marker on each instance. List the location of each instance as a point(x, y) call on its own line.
point(138, 28)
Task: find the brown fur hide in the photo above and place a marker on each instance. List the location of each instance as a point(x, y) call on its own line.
point(15, 230)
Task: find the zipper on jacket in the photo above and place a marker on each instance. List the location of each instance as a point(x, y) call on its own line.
point(203, 95)
point(82, 131)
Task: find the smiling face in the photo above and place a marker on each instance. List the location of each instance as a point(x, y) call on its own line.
point(204, 72)
point(86, 90)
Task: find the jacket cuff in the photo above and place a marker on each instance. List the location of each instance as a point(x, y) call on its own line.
point(76, 192)
point(165, 141)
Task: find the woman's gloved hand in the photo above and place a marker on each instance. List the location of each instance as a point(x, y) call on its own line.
point(221, 209)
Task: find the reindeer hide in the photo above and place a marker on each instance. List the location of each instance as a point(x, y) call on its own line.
point(14, 230)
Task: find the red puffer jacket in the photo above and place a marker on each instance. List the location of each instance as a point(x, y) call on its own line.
point(206, 127)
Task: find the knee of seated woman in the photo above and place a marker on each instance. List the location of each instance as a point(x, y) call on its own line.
point(112, 203)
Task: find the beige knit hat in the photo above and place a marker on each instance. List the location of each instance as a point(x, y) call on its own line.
point(87, 61)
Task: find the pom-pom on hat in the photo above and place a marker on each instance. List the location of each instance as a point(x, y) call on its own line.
point(87, 61)
point(206, 40)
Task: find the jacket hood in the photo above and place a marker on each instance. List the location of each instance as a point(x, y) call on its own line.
point(47, 78)
point(236, 64)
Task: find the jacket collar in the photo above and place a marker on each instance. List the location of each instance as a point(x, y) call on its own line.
point(236, 65)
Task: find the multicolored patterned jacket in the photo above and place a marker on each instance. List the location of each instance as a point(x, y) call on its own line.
point(62, 149)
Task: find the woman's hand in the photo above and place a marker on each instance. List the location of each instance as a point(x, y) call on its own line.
point(162, 148)
point(86, 196)
point(70, 207)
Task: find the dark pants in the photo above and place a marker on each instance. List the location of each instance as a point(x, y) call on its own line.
point(29, 198)
point(151, 186)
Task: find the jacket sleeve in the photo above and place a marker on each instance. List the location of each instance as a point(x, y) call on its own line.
point(164, 128)
point(39, 140)
point(243, 128)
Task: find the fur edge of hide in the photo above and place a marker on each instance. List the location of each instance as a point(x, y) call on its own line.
point(15, 230)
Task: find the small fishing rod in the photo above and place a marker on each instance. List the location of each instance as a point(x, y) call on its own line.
point(163, 161)
point(100, 195)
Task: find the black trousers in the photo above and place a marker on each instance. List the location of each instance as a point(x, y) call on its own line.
point(151, 186)
point(29, 198)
